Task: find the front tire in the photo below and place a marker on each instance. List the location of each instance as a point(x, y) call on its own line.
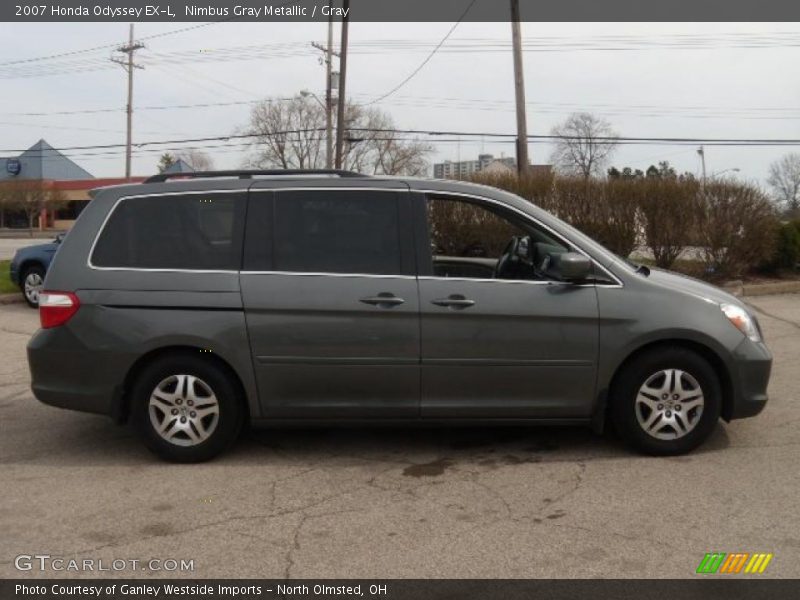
point(186, 408)
point(32, 284)
point(666, 401)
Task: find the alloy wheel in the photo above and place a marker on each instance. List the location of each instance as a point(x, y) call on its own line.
point(669, 404)
point(184, 410)
point(32, 287)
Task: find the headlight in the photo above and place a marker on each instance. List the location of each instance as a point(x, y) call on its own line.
point(742, 321)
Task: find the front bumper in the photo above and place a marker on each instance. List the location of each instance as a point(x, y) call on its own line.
point(752, 364)
point(14, 273)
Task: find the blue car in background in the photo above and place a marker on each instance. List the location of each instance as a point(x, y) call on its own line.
point(29, 266)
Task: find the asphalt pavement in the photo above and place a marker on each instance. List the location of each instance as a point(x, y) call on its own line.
point(487, 502)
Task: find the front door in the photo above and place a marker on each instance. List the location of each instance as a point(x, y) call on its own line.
point(331, 303)
point(500, 340)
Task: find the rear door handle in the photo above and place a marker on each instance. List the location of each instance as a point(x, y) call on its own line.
point(382, 300)
point(456, 301)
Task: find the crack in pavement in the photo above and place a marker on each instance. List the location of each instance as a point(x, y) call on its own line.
point(760, 310)
point(294, 546)
point(630, 538)
point(26, 334)
point(538, 514)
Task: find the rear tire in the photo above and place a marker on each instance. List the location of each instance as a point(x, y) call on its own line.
point(186, 408)
point(666, 401)
point(32, 281)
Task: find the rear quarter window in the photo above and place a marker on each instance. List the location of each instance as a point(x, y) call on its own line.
point(187, 232)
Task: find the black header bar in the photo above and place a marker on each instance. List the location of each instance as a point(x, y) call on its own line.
point(701, 587)
point(397, 10)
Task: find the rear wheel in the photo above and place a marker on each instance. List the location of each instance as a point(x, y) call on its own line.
point(187, 409)
point(32, 283)
point(666, 401)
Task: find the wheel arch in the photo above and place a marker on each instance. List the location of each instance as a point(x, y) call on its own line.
point(123, 403)
point(27, 264)
point(707, 352)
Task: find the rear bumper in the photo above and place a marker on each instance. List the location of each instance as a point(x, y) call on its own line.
point(750, 373)
point(66, 374)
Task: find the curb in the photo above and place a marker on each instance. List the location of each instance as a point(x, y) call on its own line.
point(739, 288)
point(11, 299)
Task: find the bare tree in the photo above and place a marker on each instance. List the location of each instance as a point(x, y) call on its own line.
point(736, 225)
point(584, 144)
point(784, 179)
point(30, 197)
point(196, 159)
point(291, 135)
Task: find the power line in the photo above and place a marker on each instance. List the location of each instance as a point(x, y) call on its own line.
point(105, 46)
point(485, 104)
point(75, 63)
point(453, 134)
point(427, 58)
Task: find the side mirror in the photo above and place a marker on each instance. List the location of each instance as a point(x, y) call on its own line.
point(569, 266)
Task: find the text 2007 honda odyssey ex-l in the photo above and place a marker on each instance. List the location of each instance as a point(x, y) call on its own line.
point(195, 306)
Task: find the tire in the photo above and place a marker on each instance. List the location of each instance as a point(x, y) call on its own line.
point(677, 425)
point(195, 390)
point(30, 290)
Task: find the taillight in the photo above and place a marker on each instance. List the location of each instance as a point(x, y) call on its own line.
point(56, 308)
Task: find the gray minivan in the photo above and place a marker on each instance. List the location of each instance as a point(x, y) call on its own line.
point(197, 305)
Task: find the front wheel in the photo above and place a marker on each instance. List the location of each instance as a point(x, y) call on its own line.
point(186, 408)
point(666, 401)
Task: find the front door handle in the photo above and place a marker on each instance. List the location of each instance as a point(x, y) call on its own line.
point(456, 301)
point(382, 300)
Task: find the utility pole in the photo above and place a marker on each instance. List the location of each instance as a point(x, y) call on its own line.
point(340, 124)
point(129, 66)
point(329, 54)
point(329, 98)
point(701, 151)
point(519, 88)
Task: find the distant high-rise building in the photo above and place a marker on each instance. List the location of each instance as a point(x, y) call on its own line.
point(486, 163)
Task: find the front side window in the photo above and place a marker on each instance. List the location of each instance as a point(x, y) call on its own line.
point(337, 232)
point(477, 241)
point(186, 232)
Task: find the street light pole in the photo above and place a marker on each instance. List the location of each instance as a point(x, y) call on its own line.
point(701, 151)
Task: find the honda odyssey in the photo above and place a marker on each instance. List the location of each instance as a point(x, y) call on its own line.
point(194, 306)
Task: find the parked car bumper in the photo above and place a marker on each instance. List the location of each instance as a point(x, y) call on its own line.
point(14, 273)
point(751, 370)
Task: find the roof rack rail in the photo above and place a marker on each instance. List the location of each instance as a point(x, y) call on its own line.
point(249, 174)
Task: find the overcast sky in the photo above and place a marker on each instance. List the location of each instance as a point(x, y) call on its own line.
point(736, 80)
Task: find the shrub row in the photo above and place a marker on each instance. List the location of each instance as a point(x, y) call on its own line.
point(728, 228)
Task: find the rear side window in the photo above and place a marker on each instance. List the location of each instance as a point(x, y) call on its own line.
point(192, 232)
point(337, 232)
